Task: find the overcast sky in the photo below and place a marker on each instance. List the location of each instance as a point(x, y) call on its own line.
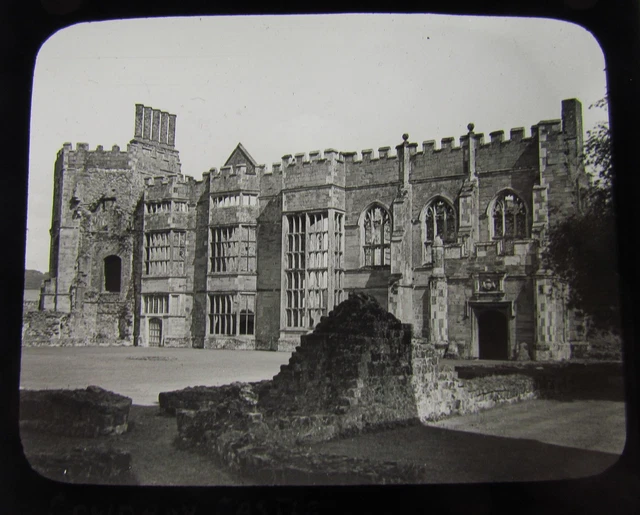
point(282, 85)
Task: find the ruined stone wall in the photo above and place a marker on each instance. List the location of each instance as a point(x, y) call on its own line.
point(96, 211)
point(358, 371)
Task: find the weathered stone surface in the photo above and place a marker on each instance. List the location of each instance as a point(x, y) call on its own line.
point(169, 232)
point(100, 465)
point(235, 396)
point(361, 315)
point(91, 412)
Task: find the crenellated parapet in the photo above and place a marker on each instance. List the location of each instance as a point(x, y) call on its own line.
point(234, 178)
point(169, 186)
point(86, 159)
point(315, 169)
point(368, 155)
point(169, 202)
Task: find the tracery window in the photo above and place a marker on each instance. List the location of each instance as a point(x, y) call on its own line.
point(509, 217)
point(440, 220)
point(377, 237)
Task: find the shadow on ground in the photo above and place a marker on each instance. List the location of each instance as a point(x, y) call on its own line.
point(447, 456)
point(451, 456)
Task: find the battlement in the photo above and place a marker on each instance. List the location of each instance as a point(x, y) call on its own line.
point(568, 125)
point(84, 147)
point(166, 180)
point(230, 171)
point(155, 126)
point(82, 158)
point(304, 158)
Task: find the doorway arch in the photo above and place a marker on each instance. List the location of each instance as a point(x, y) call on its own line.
point(155, 332)
point(493, 335)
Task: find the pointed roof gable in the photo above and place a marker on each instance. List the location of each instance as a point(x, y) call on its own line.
point(240, 152)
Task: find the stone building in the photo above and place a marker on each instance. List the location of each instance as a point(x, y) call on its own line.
point(447, 238)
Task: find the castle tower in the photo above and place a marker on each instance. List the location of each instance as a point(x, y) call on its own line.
point(96, 228)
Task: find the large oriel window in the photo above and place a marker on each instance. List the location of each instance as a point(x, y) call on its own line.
point(509, 217)
point(295, 266)
point(232, 314)
point(233, 249)
point(165, 253)
point(440, 220)
point(314, 269)
point(317, 267)
point(376, 230)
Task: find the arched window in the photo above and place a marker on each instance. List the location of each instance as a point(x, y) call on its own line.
point(440, 220)
point(509, 217)
point(377, 236)
point(112, 273)
point(246, 321)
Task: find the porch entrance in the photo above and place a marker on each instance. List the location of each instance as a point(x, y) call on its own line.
point(493, 335)
point(155, 332)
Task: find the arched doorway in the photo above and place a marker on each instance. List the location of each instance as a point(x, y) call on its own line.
point(112, 273)
point(155, 332)
point(493, 335)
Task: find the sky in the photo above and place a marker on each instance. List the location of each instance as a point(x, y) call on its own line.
point(289, 84)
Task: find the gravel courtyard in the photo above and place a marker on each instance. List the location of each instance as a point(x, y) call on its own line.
point(142, 372)
point(539, 439)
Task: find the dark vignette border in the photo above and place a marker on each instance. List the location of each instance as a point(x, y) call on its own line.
point(24, 26)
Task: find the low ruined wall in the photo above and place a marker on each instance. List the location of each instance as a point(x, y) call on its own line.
point(231, 343)
point(597, 380)
point(336, 373)
point(173, 342)
point(90, 413)
point(86, 465)
point(56, 329)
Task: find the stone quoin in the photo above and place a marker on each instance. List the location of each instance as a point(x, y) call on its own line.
point(447, 238)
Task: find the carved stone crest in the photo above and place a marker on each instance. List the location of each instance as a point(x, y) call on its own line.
point(488, 284)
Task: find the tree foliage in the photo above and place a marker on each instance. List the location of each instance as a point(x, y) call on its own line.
point(582, 247)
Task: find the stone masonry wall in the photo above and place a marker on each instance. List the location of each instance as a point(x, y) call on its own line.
point(339, 383)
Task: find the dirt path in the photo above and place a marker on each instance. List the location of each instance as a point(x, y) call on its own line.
point(155, 460)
